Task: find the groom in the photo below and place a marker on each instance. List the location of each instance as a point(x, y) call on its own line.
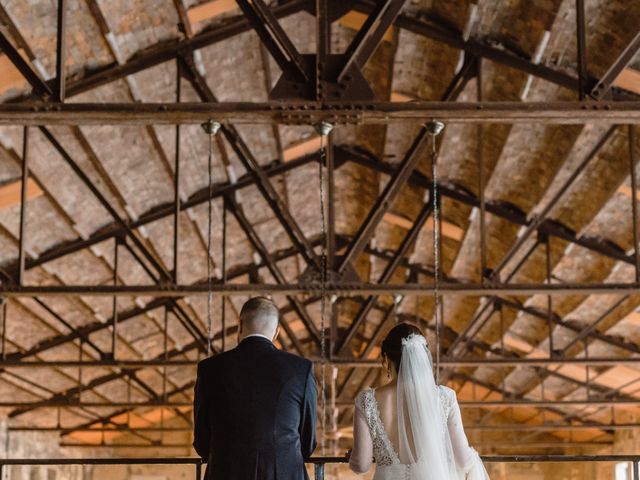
point(255, 406)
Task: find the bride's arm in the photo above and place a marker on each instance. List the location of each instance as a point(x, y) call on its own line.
point(362, 453)
point(465, 456)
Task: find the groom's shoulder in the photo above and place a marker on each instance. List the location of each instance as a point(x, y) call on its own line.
point(213, 361)
point(299, 363)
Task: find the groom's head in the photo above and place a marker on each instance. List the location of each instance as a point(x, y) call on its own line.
point(259, 315)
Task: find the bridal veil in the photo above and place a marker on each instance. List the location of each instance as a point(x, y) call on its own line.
point(425, 440)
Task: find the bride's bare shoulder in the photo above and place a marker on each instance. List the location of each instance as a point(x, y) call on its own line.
point(389, 387)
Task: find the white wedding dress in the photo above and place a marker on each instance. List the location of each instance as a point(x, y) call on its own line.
point(432, 444)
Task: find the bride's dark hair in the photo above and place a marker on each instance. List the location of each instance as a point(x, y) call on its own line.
point(392, 344)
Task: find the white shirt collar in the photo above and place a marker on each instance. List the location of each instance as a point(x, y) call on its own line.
point(257, 335)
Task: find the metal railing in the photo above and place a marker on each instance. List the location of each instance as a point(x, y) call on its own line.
point(317, 462)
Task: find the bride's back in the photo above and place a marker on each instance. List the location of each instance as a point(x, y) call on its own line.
point(428, 413)
point(387, 399)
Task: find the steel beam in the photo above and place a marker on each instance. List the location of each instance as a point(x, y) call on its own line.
point(319, 469)
point(399, 254)
point(609, 339)
point(549, 427)
point(385, 199)
point(86, 330)
point(476, 47)
point(604, 84)
point(253, 237)
point(113, 429)
point(529, 403)
point(61, 52)
point(164, 210)
point(166, 51)
point(312, 113)
point(464, 404)
point(274, 37)
point(540, 217)
point(251, 164)
point(156, 460)
point(447, 288)
point(336, 362)
point(342, 154)
point(84, 178)
point(71, 397)
point(23, 206)
point(510, 213)
point(581, 52)
point(524, 236)
point(323, 44)
point(370, 35)
point(39, 86)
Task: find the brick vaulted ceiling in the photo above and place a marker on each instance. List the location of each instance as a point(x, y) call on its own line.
point(70, 233)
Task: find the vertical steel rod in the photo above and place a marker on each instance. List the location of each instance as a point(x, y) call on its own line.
point(319, 471)
point(586, 367)
point(61, 52)
point(581, 42)
point(331, 212)
point(176, 182)
point(500, 308)
point(5, 303)
point(80, 355)
point(23, 203)
point(165, 354)
point(114, 331)
point(634, 197)
point(481, 179)
point(223, 298)
point(323, 43)
point(437, 245)
point(440, 316)
point(549, 298)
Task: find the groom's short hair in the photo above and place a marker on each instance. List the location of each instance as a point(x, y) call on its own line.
point(259, 315)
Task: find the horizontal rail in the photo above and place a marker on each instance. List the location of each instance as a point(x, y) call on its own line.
point(342, 289)
point(492, 444)
point(463, 404)
point(309, 113)
point(311, 461)
point(317, 462)
point(525, 427)
point(338, 363)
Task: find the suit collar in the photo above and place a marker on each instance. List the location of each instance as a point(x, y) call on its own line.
point(256, 340)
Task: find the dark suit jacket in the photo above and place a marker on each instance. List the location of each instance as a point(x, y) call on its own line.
point(255, 413)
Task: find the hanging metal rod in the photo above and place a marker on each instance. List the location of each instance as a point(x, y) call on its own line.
point(341, 289)
point(311, 113)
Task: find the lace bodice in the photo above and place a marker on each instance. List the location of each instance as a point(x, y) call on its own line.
point(383, 450)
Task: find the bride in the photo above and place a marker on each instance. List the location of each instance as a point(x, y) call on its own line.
point(411, 426)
